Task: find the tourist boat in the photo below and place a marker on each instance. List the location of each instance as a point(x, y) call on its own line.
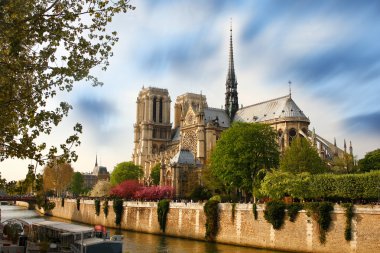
point(68, 237)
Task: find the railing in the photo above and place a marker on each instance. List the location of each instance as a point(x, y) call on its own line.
point(74, 249)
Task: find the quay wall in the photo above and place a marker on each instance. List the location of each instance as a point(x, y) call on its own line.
point(187, 220)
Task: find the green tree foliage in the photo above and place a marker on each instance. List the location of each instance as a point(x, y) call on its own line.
point(30, 179)
point(275, 213)
point(47, 46)
point(76, 184)
point(322, 186)
point(241, 153)
point(343, 165)
point(155, 174)
point(371, 161)
point(278, 184)
point(3, 183)
point(125, 171)
point(302, 157)
point(200, 192)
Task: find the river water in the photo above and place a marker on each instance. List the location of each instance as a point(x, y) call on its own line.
point(135, 242)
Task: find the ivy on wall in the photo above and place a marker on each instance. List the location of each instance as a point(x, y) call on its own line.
point(78, 204)
point(275, 213)
point(233, 210)
point(105, 208)
point(97, 206)
point(162, 213)
point(118, 208)
point(321, 213)
point(211, 209)
point(254, 210)
point(349, 213)
point(293, 210)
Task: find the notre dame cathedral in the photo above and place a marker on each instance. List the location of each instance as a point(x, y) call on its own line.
point(183, 148)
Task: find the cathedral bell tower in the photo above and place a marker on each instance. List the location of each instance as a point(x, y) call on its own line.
point(231, 103)
point(152, 128)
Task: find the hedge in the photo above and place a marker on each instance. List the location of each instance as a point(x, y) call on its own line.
point(322, 186)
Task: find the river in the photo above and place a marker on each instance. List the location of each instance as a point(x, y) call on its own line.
point(135, 242)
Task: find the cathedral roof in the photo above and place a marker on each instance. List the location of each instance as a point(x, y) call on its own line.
point(281, 108)
point(211, 114)
point(183, 157)
point(100, 170)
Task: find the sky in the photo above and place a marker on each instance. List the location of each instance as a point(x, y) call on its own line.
point(328, 49)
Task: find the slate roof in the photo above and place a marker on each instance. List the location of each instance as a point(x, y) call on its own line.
point(281, 108)
point(183, 157)
point(100, 170)
point(212, 113)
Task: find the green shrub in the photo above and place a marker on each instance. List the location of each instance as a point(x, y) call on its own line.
point(349, 212)
point(118, 208)
point(162, 213)
point(97, 206)
point(293, 210)
point(322, 186)
point(275, 213)
point(105, 207)
point(216, 198)
point(78, 204)
point(254, 210)
point(211, 209)
point(321, 213)
point(200, 193)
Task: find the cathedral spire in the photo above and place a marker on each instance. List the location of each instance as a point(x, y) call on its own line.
point(231, 103)
point(96, 161)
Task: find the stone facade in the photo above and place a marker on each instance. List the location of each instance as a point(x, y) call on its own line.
point(197, 127)
point(188, 221)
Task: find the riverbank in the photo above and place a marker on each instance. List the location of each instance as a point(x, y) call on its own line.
point(238, 227)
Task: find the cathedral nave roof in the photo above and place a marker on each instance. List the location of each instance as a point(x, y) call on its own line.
point(278, 108)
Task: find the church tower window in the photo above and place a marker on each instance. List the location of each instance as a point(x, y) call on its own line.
point(154, 109)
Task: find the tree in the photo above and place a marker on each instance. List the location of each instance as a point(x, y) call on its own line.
point(155, 174)
point(76, 184)
point(127, 189)
point(302, 157)
point(344, 164)
point(242, 152)
point(46, 47)
point(371, 161)
point(125, 171)
point(29, 179)
point(57, 177)
point(3, 183)
point(101, 189)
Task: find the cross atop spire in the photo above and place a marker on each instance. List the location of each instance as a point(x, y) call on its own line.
point(231, 103)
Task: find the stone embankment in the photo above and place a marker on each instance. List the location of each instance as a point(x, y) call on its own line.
point(187, 220)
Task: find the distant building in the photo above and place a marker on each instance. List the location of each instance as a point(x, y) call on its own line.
point(98, 173)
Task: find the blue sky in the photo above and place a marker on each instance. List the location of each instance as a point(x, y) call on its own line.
point(328, 49)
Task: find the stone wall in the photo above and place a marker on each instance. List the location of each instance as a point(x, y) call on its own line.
point(188, 221)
